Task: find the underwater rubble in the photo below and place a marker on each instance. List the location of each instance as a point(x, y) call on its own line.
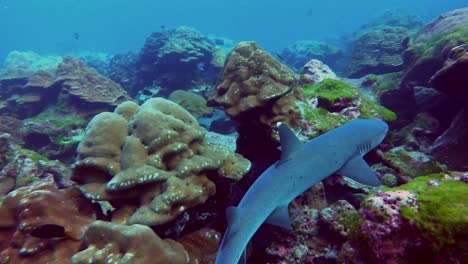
point(136, 163)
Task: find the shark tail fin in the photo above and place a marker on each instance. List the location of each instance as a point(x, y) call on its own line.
point(357, 169)
point(289, 142)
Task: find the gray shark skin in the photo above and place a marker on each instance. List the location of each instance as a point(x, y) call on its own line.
point(301, 166)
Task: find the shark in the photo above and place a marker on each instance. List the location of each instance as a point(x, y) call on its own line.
point(301, 166)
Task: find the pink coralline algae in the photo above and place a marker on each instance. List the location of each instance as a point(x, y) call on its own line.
point(383, 223)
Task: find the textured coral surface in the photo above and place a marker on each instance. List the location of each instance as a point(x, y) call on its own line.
point(155, 154)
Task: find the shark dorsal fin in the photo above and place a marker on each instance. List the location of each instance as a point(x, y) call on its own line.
point(289, 142)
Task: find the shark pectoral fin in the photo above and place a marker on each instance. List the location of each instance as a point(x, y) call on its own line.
point(243, 258)
point(280, 217)
point(289, 142)
point(357, 169)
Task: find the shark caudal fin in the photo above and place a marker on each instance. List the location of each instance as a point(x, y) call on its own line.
point(289, 142)
point(357, 169)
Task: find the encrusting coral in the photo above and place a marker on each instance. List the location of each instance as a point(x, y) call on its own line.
point(113, 243)
point(37, 205)
point(157, 157)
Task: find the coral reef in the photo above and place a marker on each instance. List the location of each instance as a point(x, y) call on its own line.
point(378, 52)
point(19, 64)
point(166, 167)
point(36, 205)
point(255, 88)
point(412, 163)
point(300, 52)
point(80, 84)
point(334, 102)
point(392, 18)
point(138, 244)
point(428, 51)
point(22, 167)
point(122, 70)
point(177, 58)
point(316, 71)
point(71, 83)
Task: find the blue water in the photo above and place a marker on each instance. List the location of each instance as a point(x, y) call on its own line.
point(48, 26)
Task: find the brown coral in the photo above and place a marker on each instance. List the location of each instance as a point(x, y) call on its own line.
point(85, 85)
point(40, 204)
point(138, 244)
point(255, 86)
point(159, 157)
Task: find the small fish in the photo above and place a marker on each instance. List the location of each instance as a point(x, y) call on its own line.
point(76, 35)
point(184, 100)
point(51, 231)
point(279, 56)
point(310, 12)
point(163, 27)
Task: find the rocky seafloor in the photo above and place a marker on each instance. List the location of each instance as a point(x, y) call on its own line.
point(136, 156)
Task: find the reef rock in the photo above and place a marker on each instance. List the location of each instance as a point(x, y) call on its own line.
point(122, 70)
point(392, 18)
point(72, 83)
point(430, 48)
point(138, 244)
point(423, 220)
point(25, 63)
point(82, 85)
point(452, 146)
point(178, 58)
point(166, 167)
point(378, 51)
point(316, 71)
point(41, 204)
point(300, 52)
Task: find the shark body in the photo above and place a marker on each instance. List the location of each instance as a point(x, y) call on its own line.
point(302, 165)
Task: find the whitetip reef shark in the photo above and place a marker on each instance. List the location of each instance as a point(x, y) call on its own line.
point(302, 165)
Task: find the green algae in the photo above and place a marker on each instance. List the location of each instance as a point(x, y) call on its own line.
point(371, 109)
point(32, 155)
point(323, 121)
point(442, 218)
point(434, 46)
point(413, 163)
point(330, 90)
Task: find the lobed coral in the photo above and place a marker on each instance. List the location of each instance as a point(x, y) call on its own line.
point(257, 88)
point(155, 157)
point(40, 204)
point(138, 244)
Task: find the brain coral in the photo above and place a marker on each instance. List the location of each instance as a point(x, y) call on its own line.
point(155, 157)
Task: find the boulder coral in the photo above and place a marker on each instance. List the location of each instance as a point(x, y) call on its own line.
point(257, 87)
point(153, 156)
point(378, 51)
point(137, 244)
point(36, 205)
